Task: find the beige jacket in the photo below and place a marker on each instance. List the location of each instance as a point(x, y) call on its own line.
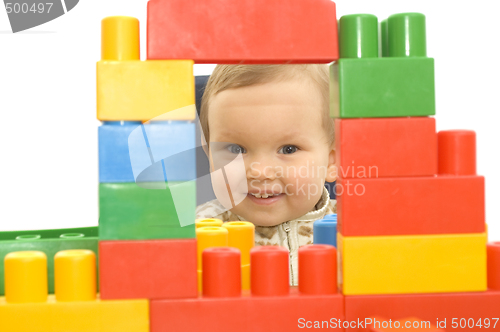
point(291, 234)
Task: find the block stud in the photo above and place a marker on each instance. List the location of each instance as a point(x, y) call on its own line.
point(406, 35)
point(457, 152)
point(269, 271)
point(208, 222)
point(221, 272)
point(75, 275)
point(120, 38)
point(325, 231)
point(26, 277)
point(358, 36)
point(318, 269)
point(241, 235)
point(493, 254)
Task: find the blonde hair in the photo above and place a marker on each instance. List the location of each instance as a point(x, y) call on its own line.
point(234, 76)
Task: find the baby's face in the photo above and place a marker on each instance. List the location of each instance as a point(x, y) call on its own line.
point(278, 128)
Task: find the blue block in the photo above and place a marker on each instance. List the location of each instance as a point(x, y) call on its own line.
point(325, 230)
point(161, 151)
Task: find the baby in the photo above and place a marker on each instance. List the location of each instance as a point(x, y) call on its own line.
point(277, 118)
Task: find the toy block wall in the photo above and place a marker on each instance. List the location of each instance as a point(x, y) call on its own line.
point(269, 306)
point(147, 170)
point(410, 205)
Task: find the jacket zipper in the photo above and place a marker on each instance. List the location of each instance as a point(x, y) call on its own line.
point(286, 227)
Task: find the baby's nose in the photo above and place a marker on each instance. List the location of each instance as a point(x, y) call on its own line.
point(261, 171)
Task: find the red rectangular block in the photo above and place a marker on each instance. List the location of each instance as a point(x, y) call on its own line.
point(411, 206)
point(386, 147)
point(447, 311)
point(149, 269)
point(244, 31)
point(247, 313)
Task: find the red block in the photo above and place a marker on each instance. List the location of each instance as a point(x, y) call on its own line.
point(493, 254)
point(447, 311)
point(243, 31)
point(411, 206)
point(149, 269)
point(247, 313)
point(386, 147)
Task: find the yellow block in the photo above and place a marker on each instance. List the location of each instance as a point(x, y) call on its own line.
point(85, 316)
point(242, 236)
point(144, 90)
point(412, 264)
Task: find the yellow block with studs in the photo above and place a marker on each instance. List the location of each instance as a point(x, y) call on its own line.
point(75, 306)
point(412, 264)
point(132, 90)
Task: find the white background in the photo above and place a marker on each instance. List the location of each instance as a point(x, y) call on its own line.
point(47, 102)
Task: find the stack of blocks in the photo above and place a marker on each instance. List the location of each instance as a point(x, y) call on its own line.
point(410, 205)
point(411, 227)
point(147, 168)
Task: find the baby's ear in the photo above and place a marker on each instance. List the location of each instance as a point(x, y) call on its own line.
point(332, 171)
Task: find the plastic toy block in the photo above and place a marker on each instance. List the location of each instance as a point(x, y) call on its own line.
point(411, 206)
point(413, 264)
point(152, 269)
point(401, 84)
point(457, 152)
point(493, 254)
point(127, 211)
point(382, 87)
point(226, 32)
point(474, 311)
point(380, 324)
point(387, 147)
point(273, 309)
point(132, 90)
point(325, 230)
point(74, 307)
point(48, 241)
point(117, 148)
point(241, 235)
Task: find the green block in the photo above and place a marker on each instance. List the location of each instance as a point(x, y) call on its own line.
point(50, 241)
point(130, 212)
point(382, 87)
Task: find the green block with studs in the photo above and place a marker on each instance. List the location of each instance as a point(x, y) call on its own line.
point(163, 210)
point(49, 241)
point(400, 83)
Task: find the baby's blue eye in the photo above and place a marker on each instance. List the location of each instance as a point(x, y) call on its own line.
point(289, 149)
point(235, 148)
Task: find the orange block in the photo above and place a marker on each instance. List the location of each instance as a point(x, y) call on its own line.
point(243, 31)
point(386, 147)
point(411, 206)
